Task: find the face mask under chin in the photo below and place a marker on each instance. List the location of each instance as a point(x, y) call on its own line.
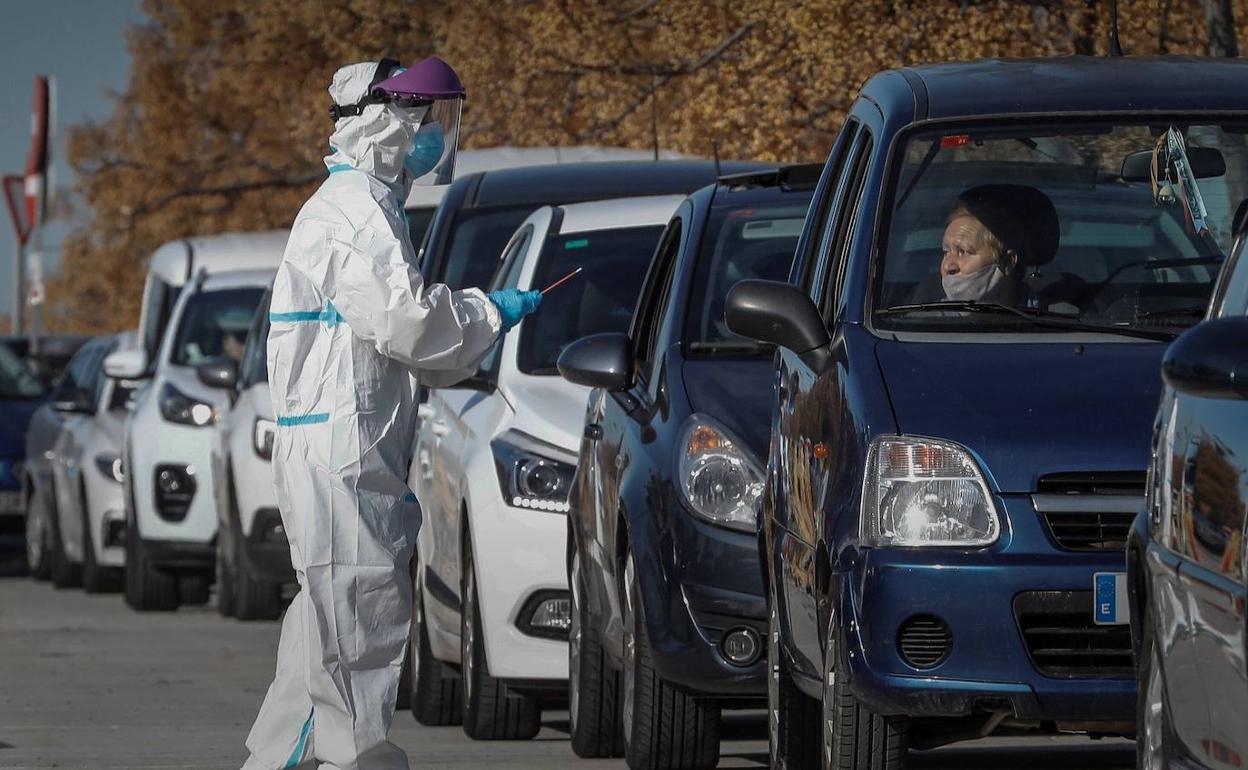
point(971, 286)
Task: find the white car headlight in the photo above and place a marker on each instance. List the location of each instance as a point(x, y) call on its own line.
point(529, 474)
point(176, 406)
point(110, 466)
point(925, 492)
point(719, 479)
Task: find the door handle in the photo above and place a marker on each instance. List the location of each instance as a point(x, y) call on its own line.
point(593, 431)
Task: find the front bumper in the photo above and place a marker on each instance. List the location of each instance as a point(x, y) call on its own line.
point(180, 556)
point(976, 593)
point(698, 583)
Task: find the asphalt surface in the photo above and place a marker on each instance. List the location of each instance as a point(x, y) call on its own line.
point(87, 683)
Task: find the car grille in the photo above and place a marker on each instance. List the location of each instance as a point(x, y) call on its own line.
point(923, 641)
point(1064, 642)
point(1090, 511)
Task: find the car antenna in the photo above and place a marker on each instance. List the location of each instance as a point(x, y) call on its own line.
point(1115, 47)
point(715, 154)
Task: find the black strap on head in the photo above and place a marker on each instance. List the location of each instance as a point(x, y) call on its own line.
point(372, 95)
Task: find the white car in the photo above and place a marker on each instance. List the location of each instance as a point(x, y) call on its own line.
point(171, 512)
point(253, 555)
point(492, 465)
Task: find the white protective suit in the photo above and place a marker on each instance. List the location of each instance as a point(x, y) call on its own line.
point(352, 330)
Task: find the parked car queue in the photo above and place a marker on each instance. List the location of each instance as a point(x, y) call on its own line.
point(810, 477)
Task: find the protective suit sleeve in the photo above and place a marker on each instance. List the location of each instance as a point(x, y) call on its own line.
point(383, 300)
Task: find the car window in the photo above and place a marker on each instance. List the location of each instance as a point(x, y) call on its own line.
point(1079, 235)
point(255, 356)
point(97, 379)
point(644, 330)
point(215, 323)
point(477, 239)
point(600, 299)
point(741, 241)
point(835, 238)
point(76, 379)
point(1232, 293)
point(418, 220)
point(836, 169)
point(506, 277)
point(158, 301)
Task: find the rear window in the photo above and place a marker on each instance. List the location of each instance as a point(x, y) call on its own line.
point(600, 299)
point(16, 380)
point(740, 242)
point(215, 323)
point(477, 241)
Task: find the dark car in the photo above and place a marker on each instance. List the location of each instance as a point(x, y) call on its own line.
point(48, 358)
point(952, 469)
point(479, 213)
point(20, 395)
point(667, 598)
point(1188, 576)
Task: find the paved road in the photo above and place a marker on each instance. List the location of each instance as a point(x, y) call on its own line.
point(86, 683)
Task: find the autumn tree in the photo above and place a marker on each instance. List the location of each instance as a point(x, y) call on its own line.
point(224, 121)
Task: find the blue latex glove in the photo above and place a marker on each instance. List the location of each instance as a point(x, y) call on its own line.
point(514, 304)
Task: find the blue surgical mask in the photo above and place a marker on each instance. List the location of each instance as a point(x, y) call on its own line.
point(426, 151)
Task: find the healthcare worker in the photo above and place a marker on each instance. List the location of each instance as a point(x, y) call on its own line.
point(353, 331)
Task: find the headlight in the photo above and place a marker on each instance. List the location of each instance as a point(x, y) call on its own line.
point(262, 437)
point(176, 406)
point(719, 480)
point(925, 492)
point(528, 473)
point(110, 466)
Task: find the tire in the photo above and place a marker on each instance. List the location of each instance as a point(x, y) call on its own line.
point(491, 712)
point(664, 728)
point(65, 573)
point(225, 577)
point(1153, 735)
point(96, 579)
point(855, 737)
point(254, 597)
point(793, 718)
point(435, 691)
point(148, 589)
point(194, 590)
point(37, 545)
point(593, 686)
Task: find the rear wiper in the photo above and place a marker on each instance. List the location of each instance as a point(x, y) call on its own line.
point(1033, 316)
point(730, 347)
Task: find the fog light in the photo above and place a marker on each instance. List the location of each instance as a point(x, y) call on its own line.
point(741, 646)
point(547, 614)
point(267, 527)
point(175, 488)
point(114, 530)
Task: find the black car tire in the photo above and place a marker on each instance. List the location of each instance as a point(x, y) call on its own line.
point(37, 546)
point(96, 579)
point(854, 736)
point(491, 712)
point(148, 589)
point(254, 597)
point(225, 576)
point(664, 728)
point(435, 691)
point(793, 717)
point(1153, 736)
point(194, 590)
point(65, 573)
point(593, 686)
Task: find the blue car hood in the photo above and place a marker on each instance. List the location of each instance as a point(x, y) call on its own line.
point(736, 392)
point(1026, 410)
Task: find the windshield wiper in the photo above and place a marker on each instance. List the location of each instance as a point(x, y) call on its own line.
point(1195, 310)
point(730, 347)
point(1035, 317)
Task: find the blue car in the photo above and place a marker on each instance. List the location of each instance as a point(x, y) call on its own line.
point(996, 257)
point(20, 395)
point(667, 615)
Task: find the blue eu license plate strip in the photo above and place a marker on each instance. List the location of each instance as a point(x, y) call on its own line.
point(1109, 591)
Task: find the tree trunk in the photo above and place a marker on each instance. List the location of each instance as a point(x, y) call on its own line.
point(1220, 27)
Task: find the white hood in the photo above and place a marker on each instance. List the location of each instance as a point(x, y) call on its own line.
point(374, 141)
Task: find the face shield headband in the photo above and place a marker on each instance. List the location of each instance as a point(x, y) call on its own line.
point(374, 95)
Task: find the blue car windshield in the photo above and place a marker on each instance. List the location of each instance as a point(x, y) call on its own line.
point(741, 241)
point(215, 323)
point(1092, 224)
point(600, 299)
point(16, 380)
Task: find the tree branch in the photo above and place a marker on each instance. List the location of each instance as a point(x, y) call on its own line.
point(239, 187)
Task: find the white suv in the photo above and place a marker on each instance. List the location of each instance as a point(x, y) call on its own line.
point(492, 465)
point(171, 515)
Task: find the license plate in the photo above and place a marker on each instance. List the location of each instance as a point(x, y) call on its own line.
point(11, 502)
point(1109, 591)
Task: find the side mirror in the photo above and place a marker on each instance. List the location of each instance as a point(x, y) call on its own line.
point(1210, 360)
point(480, 382)
point(77, 402)
point(775, 312)
point(598, 361)
point(126, 364)
point(220, 372)
point(1206, 162)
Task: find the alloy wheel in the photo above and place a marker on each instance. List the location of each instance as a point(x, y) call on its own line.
point(1153, 728)
point(630, 650)
point(575, 633)
point(467, 637)
point(35, 553)
point(773, 683)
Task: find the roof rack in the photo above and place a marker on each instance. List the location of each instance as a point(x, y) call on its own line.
point(792, 177)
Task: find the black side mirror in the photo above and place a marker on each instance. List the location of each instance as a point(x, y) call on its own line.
point(219, 372)
point(480, 382)
point(776, 312)
point(76, 402)
point(598, 361)
point(1210, 360)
